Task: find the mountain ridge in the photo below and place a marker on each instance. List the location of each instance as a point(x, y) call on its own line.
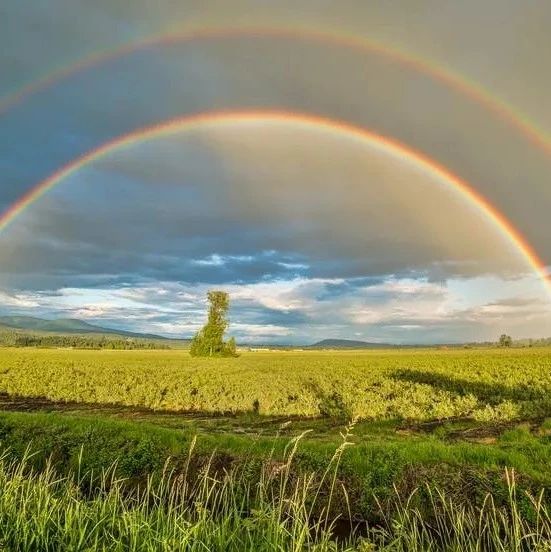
point(332, 343)
point(67, 326)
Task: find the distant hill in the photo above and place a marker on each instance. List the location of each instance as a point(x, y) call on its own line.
point(65, 326)
point(348, 344)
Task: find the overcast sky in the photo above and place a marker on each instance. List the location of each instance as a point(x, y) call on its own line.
point(313, 232)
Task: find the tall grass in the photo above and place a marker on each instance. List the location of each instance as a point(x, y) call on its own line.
point(273, 509)
point(231, 510)
point(446, 525)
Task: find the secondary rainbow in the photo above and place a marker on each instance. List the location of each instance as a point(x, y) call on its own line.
point(217, 118)
point(471, 90)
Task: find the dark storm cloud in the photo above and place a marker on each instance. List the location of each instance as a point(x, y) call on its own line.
point(157, 83)
point(228, 206)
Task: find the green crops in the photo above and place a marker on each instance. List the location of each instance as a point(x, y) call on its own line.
point(488, 385)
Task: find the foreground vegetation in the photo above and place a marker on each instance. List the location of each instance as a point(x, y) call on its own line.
point(486, 385)
point(380, 463)
point(236, 509)
point(396, 450)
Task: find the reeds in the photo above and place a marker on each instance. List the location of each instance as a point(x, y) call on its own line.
point(274, 509)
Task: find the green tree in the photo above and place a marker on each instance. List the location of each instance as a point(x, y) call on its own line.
point(505, 340)
point(209, 341)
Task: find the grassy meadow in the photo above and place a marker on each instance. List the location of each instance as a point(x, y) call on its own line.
point(287, 450)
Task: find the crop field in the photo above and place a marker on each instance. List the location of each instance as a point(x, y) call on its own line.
point(485, 385)
point(379, 447)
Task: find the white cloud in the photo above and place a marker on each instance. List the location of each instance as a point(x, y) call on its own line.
point(213, 260)
point(302, 310)
point(18, 300)
point(268, 331)
point(221, 260)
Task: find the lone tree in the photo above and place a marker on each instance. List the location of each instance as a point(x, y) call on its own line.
point(505, 340)
point(209, 341)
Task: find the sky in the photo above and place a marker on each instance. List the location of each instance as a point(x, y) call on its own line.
point(315, 229)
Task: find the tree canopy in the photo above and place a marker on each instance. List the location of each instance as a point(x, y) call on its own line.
point(505, 340)
point(209, 341)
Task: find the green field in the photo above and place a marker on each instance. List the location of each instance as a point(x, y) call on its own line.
point(415, 385)
point(454, 421)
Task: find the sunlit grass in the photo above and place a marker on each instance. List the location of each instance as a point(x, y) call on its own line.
point(233, 510)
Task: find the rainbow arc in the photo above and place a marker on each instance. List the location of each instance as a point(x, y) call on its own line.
point(471, 90)
point(217, 118)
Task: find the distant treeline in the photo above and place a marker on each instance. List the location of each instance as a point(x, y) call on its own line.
point(515, 343)
point(77, 342)
point(544, 342)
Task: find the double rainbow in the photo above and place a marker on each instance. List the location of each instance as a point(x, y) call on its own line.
point(470, 90)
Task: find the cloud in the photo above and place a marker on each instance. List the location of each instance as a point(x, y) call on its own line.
point(17, 300)
point(158, 83)
point(370, 255)
point(302, 310)
point(313, 232)
point(247, 203)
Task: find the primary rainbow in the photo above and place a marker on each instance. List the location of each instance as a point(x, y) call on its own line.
point(471, 90)
point(217, 118)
